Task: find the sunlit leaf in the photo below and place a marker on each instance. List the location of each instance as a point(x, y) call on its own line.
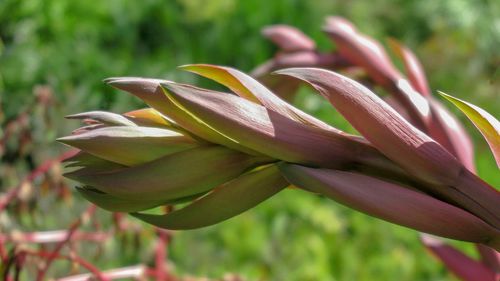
point(413, 67)
point(150, 91)
point(444, 127)
point(247, 87)
point(268, 132)
point(150, 117)
point(488, 125)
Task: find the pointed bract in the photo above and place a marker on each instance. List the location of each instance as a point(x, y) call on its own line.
point(490, 258)
point(173, 176)
point(115, 204)
point(130, 145)
point(150, 117)
point(288, 38)
point(413, 67)
point(462, 266)
point(224, 202)
point(91, 163)
point(151, 92)
point(147, 89)
point(488, 125)
point(106, 118)
point(362, 50)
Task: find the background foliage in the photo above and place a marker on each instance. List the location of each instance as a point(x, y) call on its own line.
point(70, 46)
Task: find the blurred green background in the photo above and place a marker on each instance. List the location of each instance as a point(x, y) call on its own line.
point(70, 46)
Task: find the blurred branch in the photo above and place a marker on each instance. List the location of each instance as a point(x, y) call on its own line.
point(54, 236)
point(74, 226)
point(76, 259)
point(40, 170)
point(136, 272)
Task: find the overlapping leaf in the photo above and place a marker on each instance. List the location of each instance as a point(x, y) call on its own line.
point(266, 131)
point(106, 118)
point(448, 131)
point(149, 91)
point(413, 150)
point(130, 145)
point(382, 125)
point(366, 52)
point(170, 177)
point(362, 50)
point(91, 163)
point(443, 126)
point(150, 117)
point(224, 202)
point(393, 203)
point(115, 204)
point(413, 67)
point(250, 89)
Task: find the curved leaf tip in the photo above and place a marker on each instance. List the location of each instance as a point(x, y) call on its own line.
point(487, 124)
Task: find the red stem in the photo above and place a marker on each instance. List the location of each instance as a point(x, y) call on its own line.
point(40, 170)
point(161, 255)
point(41, 273)
point(87, 265)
